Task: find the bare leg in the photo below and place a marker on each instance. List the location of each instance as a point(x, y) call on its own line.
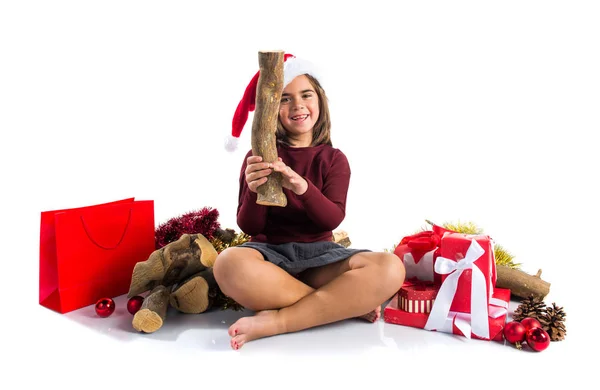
point(254, 283)
point(371, 280)
point(320, 276)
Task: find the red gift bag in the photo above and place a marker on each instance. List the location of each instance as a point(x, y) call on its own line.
point(88, 253)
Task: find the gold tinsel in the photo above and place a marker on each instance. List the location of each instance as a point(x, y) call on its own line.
point(222, 300)
point(238, 239)
point(392, 249)
point(463, 227)
point(502, 256)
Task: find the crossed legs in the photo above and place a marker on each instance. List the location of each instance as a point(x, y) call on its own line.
point(347, 289)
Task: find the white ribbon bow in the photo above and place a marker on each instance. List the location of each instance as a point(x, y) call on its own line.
point(479, 305)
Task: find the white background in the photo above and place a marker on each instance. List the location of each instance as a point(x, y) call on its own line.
point(450, 111)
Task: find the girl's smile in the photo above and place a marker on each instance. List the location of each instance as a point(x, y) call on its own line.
point(299, 117)
point(299, 110)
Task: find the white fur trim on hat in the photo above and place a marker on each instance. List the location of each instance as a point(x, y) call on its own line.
point(295, 67)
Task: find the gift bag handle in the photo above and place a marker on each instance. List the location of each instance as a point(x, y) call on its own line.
point(103, 246)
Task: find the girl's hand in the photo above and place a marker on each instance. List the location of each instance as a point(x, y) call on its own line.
point(257, 172)
point(291, 180)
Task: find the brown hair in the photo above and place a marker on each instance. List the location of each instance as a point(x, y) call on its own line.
point(322, 129)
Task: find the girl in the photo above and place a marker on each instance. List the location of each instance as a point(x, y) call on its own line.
point(307, 280)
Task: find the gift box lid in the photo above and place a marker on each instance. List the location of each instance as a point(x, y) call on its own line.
point(418, 291)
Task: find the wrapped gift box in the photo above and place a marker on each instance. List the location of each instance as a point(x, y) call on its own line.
point(418, 253)
point(470, 259)
point(456, 323)
point(415, 297)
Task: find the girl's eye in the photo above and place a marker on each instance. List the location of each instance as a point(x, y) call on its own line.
point(307, 95)
point(285, 100)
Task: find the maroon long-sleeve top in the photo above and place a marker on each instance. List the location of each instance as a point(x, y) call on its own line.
point(309, 217)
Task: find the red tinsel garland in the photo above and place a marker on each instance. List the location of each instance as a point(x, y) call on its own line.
point(203, 221)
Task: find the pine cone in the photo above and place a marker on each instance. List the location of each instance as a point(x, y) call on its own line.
point(553, 322)
point(530, 307)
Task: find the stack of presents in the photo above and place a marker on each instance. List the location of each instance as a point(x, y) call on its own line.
point(450, 285)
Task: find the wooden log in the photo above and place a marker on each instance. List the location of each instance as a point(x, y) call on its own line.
point(520, 283)
point(264, 123)
point(147, 274)
point(192, 253)
point(176, 261)
point(153, 312)
point(192, 296)
point(341, 237)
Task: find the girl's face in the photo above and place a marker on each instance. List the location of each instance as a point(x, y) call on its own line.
point(299, 110)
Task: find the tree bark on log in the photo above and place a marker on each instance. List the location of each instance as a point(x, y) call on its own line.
point(341, 237)
point(153, 312)
point(190, 254)
point(264, 124)
point(520, 283)
point(192, 296)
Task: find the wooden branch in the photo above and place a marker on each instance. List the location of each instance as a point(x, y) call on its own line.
point(153, 312)
point(147, 274)
point(178, 260)
point(264, 124)
point(341, 237)
point(191, 254)
point(520, 283)
point(192, 295)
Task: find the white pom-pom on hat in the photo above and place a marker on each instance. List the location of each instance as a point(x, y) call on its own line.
point(292, 68)
point(231, 143)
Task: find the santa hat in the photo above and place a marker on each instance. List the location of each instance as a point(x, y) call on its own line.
point(292, 68)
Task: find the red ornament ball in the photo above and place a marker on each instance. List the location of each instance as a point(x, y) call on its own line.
point(105, 307)
point(515, 333)
point(134, 304)
point(538, 339)
point(530, 323)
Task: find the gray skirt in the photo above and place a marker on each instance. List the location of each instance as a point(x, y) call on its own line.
point(295, 257)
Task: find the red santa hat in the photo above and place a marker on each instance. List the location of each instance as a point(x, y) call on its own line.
point(292, 68)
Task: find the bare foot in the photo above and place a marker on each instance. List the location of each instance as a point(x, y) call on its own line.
point(263, 324)
point(268, 323)
point(372, 316)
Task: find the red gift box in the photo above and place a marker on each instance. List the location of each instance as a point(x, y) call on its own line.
point(470, 260)
point(418, 253)
point(456, 323)
point(417, 297)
